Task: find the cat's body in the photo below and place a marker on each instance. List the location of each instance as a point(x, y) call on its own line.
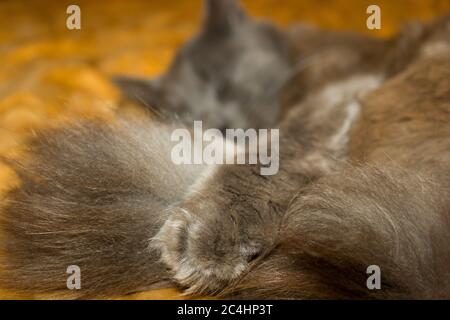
point(386, 204)
point(364, 180)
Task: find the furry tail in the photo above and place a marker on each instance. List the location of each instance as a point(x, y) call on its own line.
point(92, 196)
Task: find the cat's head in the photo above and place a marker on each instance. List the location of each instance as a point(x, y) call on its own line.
point(228, 75)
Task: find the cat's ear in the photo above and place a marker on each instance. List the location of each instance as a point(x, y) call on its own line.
point(144, 91)
point(222, 16)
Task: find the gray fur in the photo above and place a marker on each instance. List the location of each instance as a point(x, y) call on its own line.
point(229, 75)
point(364, 179)
point(91, 195)
point(321, 221)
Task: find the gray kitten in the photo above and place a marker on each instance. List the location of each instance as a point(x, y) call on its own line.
point(363, 180)
point(229, 75)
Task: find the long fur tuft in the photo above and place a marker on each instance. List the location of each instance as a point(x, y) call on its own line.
point(91, 195)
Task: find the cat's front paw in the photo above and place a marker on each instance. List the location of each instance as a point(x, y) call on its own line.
point(205, 248)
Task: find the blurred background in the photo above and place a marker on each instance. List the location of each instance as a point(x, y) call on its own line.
point(49, 74)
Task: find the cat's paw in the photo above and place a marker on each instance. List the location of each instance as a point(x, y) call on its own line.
point(205, 247)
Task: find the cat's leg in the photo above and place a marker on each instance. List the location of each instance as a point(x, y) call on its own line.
point(233, 212)
point(321, 245)
point(230, 218)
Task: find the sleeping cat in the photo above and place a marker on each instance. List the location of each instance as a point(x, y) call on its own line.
point(228, 75)
point(343, 199)
point(334, 208)
point(363, 180)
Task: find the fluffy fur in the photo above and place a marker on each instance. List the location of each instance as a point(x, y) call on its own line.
point(228, 75)
point(364, 180)
point(91, 195)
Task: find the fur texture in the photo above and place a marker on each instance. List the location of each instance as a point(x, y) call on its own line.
point(364, 180)
point(92, 195)
point(228, 75)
